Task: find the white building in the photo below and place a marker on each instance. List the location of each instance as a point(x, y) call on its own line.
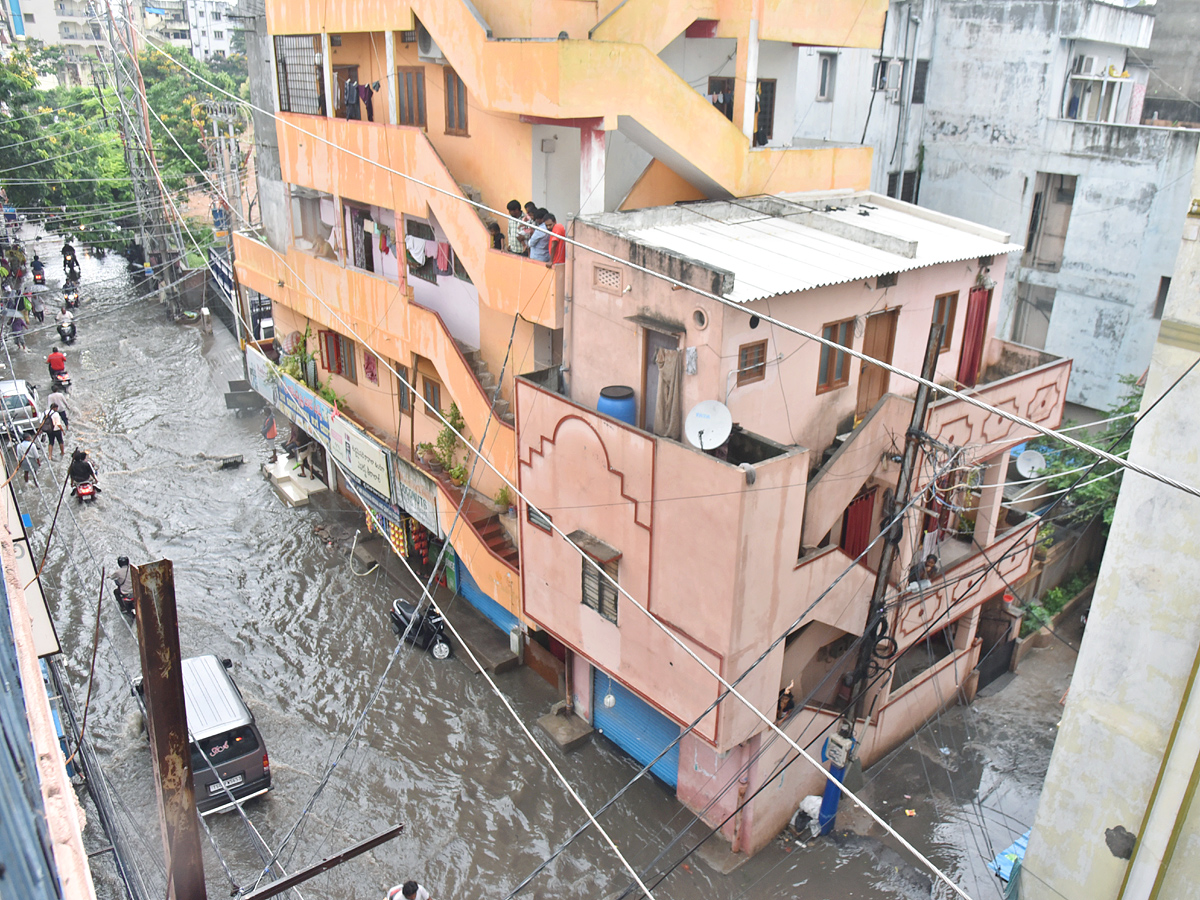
point(62, 23)
point(1025, 115)
point(211, 28)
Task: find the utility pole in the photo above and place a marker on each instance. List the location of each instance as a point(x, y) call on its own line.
point(839, 747)
point(166, 721)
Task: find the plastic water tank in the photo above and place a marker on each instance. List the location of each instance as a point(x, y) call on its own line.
point(617, 401)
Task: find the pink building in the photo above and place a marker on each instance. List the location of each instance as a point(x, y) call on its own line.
point(729, 548)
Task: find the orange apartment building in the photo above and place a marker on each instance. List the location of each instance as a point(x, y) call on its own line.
point(581, 107)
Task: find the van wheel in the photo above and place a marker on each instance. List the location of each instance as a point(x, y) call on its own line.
point(440, 650)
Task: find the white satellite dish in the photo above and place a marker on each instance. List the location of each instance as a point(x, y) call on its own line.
point(708, 424)
point(1030, 463)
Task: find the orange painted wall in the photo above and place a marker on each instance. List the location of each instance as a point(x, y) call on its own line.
point(659, 185)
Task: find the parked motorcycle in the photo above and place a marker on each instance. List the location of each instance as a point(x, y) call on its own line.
point(426, 633)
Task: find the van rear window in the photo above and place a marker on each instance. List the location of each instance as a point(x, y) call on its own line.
point(223, 748)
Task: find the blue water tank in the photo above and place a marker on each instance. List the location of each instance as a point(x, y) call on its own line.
point(617, 401)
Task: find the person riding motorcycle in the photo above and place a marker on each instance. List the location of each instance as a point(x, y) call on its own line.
point(81, 469)
point(57, 362)
point(66, 325)
point(38, 268)
point(123, 584)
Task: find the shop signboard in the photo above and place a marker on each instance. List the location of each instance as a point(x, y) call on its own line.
point(416, 492)
point(260, 377)
point(362, 456)
point(304, 408)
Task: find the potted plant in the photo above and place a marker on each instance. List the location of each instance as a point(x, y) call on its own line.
point(458, 474)
point(425, 452)
point(504, 500)
point(447, 440)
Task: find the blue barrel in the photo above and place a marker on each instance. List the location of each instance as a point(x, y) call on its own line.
point(617, 401)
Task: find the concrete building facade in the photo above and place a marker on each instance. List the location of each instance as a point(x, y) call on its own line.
point(68, 24)
point(1026, 115)
point(1117, 817)
point(211, 28)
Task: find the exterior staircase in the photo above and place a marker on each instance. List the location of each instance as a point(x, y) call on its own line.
point(482, 519)
point(487, 381)
point(492, 533)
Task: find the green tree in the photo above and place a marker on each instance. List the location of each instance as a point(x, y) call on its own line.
point(1097, 495)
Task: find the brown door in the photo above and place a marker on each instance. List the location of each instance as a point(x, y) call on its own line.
point(878, 343)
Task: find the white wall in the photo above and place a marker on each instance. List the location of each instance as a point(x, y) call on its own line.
point(455, 300)
point(556, 175)
point(624, 162)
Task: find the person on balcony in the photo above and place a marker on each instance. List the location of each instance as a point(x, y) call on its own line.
point(539, 240)
point(558, 247)
point(923, 575)
point(516, 240)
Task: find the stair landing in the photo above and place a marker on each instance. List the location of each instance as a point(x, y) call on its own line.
point(293, 488)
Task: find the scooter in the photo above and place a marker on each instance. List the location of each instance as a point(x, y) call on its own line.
point(60, 380)
point(71, 297)
point(426, 633)
point(85, 492)
point(67, 333)
point(39, 276)
point(124, 601)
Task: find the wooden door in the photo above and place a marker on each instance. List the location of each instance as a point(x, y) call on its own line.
point(879, 341)
point(974, 331)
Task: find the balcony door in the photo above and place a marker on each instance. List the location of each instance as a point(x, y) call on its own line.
point(342, 75)
point(879, 340)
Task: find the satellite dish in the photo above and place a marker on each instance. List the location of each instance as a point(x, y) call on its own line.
point(708, 424)
point(1030, 463)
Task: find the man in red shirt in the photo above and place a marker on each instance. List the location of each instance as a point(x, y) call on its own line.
point(558, 247)
point(57, 361)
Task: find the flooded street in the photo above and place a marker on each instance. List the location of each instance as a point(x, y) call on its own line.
point(277, 591)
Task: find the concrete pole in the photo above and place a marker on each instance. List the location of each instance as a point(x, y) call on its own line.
point(166, 721)
point(987, 517)
point(331, 102)
point(389, 55)
point(746, 81)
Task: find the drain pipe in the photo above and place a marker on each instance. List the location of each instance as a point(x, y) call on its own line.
point(735, 845)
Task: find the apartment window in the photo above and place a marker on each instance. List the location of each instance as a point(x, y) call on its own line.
point(29, 18)
point(337, 355)
point(298, 71)
point(1049, 219)
point(752, 362)
point(456, 104)
point(405, 393)
point(920, 76)
point(426, 271)
point(432, 392)
point(944, 307)
point(764, 112)
point(200, 13)
point(410, 83)
point(538, 519)
point(216, 16)
point(826, 76)
point(893, 188)
point(1160, 303)
point(598, 592)
point(879, 75)
point(720, 94)
point(834, 369)
point(909, 186)
point(218, 35)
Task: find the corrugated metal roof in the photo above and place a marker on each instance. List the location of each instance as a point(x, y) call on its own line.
point(773, 254)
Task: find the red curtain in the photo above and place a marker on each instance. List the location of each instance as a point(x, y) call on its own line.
point(973, 334)
point(856, 524)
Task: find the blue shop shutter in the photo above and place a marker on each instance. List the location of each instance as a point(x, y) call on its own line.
point(636, 727)
point(500, 617)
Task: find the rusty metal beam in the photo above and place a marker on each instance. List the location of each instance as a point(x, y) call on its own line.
point(302, 875)
point(166, 721)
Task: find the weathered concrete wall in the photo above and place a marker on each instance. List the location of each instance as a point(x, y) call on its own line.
point(272, 194)
point(990, 122)
point(1117, 760)
point(1174, 88)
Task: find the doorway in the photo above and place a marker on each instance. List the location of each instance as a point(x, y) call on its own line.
point(856, 524)
point(655, 341)
point(341, 75)
point(979, 302)
point(879, 340)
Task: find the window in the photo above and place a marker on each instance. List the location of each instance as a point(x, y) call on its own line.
point(834, 370)
point(29, 18)
point(337, 355)
point(537, 519)
point(406, 399)
point(427, 271)
point(411, 95)
point(1049, 219)
point(879, 75)
point(218, 35)
point(826, 76)
point(1164, 285)
point(216, 16)
point(893, 187)
point(456, 104)
point(909, 186)
point(920, 76)
point(432, 392)
point(944, 307)
point(298, 71)
point(764, 112)
point(752, 362)
point(886, 280)
point(720, 94)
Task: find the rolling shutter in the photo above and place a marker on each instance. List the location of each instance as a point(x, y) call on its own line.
point(636, 727)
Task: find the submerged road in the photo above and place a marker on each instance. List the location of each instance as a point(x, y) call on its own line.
point(275, 590)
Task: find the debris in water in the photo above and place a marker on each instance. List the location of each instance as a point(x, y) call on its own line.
point(910, 812)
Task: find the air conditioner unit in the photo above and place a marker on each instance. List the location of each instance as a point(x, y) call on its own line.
point(895, 76)
point(427, 50)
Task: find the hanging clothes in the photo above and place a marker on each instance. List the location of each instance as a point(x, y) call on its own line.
point(444, 264)
point(668, 407)
point(416, 249)
point(364, 94)
point(350, 99)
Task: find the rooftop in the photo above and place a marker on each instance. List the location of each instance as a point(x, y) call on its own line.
point(782, 244)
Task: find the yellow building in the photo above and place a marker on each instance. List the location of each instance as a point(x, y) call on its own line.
point(577, 106)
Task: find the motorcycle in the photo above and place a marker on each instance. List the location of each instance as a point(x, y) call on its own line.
point(71, 297)
point(67, 333)
point(124, 601)
point(85, 491)
point(60, 380)
point(39, 276)
point(426, 633)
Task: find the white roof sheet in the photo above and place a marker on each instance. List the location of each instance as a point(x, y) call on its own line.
point(772, 255)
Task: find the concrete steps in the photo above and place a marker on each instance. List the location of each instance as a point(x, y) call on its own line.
point(487, 381)
point(292, 488)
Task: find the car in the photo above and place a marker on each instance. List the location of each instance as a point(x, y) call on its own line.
point(20, 406)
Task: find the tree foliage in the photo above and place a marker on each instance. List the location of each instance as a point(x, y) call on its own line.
point(63, 162)
point(1099, 497)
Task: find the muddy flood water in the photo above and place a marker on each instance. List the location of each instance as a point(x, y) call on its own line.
point(276, 590)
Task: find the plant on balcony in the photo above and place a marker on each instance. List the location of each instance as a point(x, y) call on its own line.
point(458, 474)
point(504, 498)
point(447, 440)
point(425, 451)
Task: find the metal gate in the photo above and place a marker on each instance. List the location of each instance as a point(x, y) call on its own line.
point(635, 726)
point(499, 616)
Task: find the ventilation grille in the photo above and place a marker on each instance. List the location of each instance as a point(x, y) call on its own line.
point(608, 279)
